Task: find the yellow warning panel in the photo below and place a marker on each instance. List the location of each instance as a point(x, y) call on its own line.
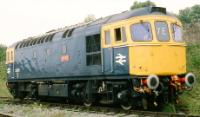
point(10, 55)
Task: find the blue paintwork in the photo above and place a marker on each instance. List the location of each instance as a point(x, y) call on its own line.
point(123, 66)
point(10, 68)
point(111, 66)
point(50, 66)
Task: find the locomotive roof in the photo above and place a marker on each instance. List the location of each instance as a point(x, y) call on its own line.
point(101, 21)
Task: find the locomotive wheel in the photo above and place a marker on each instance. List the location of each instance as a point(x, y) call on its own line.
point(126, 106)
point(87, 103)
point(126, 102)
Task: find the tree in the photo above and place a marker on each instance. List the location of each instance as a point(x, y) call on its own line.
point(142, 4)
point(190, 15)
point(2, 53)
point(89, 18)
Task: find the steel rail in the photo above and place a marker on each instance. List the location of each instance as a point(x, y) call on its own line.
point(6, 115)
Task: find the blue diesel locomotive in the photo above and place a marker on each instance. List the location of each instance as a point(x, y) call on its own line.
point(134, 58)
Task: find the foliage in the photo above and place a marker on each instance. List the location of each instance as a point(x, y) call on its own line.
point(190, 15)
point(193, 56)
point(3, 88)
point(2, 52)
point(142, 4)
point(191, 19)
point(2, 70)
point(2, 62)
point(190, 100)
point(89, 18)
point(191, 33)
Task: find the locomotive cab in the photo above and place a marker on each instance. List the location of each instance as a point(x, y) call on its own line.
point(154, 43)
point(152, 50)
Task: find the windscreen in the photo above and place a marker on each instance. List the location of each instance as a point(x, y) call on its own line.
point(141, 32)
point(162, 31)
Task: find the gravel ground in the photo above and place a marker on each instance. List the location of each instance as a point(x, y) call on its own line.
point(38, 110)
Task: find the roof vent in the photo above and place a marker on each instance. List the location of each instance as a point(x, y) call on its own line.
point(158, 9)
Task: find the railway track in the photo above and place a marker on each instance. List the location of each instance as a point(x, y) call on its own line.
point(6, 115)
point(4, 98)
point(118, 111)
point(110, 111)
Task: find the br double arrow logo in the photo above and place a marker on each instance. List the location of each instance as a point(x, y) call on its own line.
point(120, 59)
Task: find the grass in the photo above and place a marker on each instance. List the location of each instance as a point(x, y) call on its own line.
point(3, 89)
point(169, 108)
point(191, 100)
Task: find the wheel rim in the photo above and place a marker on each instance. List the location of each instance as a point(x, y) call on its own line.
point(87, 104)
point(126, 106)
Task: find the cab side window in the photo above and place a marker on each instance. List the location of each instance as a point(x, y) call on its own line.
point(177, 33)
point(120, 34)
point(107, 37)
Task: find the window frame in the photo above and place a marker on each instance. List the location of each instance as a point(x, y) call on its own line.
point(123, 34)
point(115, 34)
point(109, 32)
point(91, 54)
point(173, 34)
point(168, 40)
point(151, 32)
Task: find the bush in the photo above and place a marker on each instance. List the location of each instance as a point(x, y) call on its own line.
point(2, 53)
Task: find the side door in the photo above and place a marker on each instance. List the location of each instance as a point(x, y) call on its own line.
point(115, 54)
point(107, 52)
